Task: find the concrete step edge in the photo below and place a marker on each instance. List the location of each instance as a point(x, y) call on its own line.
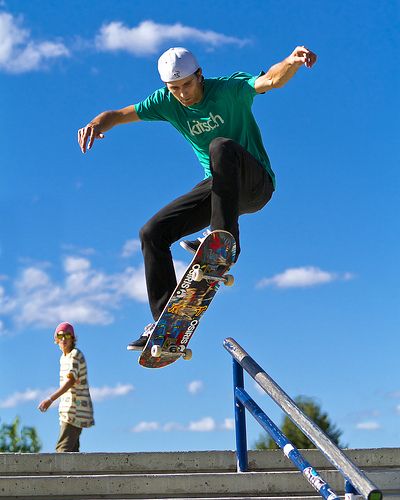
point(279, 497)
point(160, 485)
point(14, 463)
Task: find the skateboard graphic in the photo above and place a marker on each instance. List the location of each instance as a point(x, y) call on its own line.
point(191, 298)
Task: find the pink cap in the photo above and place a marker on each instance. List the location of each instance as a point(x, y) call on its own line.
point(66, 328)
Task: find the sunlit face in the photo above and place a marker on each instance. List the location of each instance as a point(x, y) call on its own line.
point(65, 342)
point(189, 90)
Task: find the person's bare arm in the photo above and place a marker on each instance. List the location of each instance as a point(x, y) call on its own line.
point(102, 123)
point(46, 403)
point(281, 73)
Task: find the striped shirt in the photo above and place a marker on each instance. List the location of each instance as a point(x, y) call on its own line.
point(75, 405)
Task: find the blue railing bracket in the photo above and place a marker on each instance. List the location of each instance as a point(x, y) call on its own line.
point(357, 483)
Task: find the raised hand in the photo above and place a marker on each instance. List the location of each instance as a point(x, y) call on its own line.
point(302, 55)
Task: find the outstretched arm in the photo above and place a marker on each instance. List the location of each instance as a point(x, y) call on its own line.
point(281, 73)
point(104, 122)
point(46, 403)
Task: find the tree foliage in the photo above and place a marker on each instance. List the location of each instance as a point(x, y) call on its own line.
point(14, 440)
point(295, 435)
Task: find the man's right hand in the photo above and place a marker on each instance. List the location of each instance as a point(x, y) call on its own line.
point(103, 123)
point(45, 404)
point(89, 133)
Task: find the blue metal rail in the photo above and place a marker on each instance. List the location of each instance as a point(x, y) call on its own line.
point(356, 482)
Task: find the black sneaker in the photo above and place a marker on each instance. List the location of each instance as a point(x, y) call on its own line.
point(192, 246)
point(138, 345)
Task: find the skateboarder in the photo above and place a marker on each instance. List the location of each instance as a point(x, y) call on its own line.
point(75, 409)
point(214, 115)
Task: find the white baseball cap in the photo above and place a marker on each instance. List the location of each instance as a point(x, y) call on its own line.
point(177, 63)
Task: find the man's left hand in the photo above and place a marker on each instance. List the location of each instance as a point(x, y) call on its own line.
point(302, 55)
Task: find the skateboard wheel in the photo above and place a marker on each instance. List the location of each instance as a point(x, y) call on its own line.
point(156, 351)
point(187, 355)
point(198, 275)
point(229, 280)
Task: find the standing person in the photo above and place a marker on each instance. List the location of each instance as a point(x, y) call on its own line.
point(214, 115)
point(75, 409)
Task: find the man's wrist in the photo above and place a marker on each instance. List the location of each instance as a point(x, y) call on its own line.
point(289, 60)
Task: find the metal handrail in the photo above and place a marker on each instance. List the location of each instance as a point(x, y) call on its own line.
point(242, 360)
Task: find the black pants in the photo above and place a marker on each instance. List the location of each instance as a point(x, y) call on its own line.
point(239, 185)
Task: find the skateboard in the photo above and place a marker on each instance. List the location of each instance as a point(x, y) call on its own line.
point(191, 298)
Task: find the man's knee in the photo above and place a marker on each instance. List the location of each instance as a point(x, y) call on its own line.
point(221, 145)
point(154, 233)
point(148, 232)
point(224, 156)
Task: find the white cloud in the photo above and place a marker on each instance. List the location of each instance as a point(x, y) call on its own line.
point(32, 278)
point(77, 250)
point(347, 276)
point(229, 424)
point(398, 409)
point(146, 426)
point(37, 395)
point(7, 304)
point(83, 295)
point(368, 426)
point(172, 427)
point(195, 386)
point(26, 396)
point(76, 264)
point(39, 300)
point(148, 37)
point(130, 248)
point(105, 392)
point(19, 53)
point(302, 277)
point(206, 424)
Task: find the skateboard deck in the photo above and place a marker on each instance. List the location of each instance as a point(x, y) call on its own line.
point(190, 299)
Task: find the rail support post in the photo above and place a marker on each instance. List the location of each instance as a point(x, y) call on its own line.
point(240, 420)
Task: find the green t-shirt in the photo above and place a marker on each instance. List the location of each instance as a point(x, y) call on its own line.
point(224, 111)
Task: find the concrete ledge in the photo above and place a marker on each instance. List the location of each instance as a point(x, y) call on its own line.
point(202, 461)
point(178, 485)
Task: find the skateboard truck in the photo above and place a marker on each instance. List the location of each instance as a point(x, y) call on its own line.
point(199, 275)
point(156, 351)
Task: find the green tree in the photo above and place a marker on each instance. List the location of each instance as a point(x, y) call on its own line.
point(295, 435)
point(14, 440)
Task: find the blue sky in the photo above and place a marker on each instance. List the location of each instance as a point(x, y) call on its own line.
point(316, 297)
